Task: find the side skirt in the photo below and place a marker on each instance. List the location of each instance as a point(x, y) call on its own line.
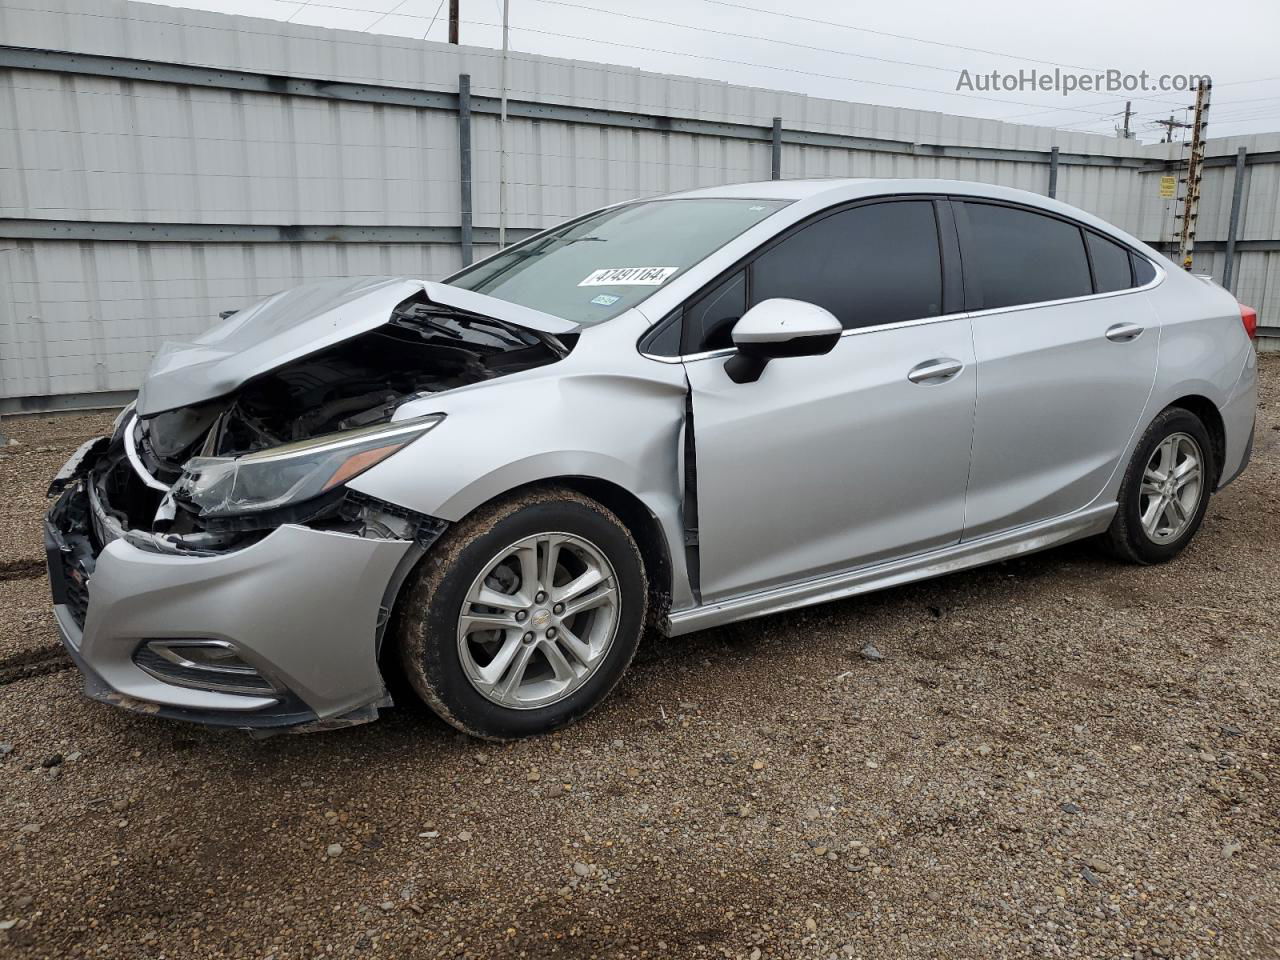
point(960, 556)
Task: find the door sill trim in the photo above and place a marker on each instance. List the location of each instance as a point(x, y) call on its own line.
point(960, 556)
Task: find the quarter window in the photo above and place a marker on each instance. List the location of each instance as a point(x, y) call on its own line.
point(709, 319)
point(1111, 269)
point(868, 265)
point(1024, 257)
point(1143, 271)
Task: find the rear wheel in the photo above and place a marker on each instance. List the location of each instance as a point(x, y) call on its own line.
point(1165, 491)
point(524, 616)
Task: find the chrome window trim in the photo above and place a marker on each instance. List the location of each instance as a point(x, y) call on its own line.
point(942, 318)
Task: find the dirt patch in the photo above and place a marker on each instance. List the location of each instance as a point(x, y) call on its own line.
point(1058, 756)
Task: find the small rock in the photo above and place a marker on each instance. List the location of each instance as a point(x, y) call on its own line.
point(1070, 808)
point(618, 744)
point(812, 813)
point(533, 776)
point(757, 765)
point(5, 748)
point(1229, 731)
point(555, 790)
point(1059, 891)
point(464, 835)
point(1089, 878)
point(1098, 866)
point(811, 925)
point(387, 906)
point(51, 761)
point(583, 869)
point(29, 829)
point(1231, 848)
point(754, 954)
point(984, 750)
point(119, 806)
point(334, 850)
point(24, 901)
point(872, 653)
point(73, 757)
point(429, 834)
point(8, 924)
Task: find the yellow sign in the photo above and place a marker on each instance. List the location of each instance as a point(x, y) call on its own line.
point(1168, 186)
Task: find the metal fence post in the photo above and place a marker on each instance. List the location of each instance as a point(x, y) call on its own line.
point(776, 163)
point(1053, 172)
point(464, 159)
point(1233, 224)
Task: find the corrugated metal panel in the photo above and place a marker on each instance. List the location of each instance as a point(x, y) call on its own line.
point(86, 317)
point(83, 316)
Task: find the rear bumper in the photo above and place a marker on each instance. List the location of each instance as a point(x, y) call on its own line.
point(304, 607)
point(1239, 416)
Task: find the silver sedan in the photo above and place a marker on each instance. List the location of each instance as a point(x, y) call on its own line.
point(669, 414)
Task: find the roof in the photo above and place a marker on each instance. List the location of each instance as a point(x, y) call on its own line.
point(848, 187)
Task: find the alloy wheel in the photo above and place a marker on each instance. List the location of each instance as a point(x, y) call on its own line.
point(538, 621)
point(1172, 485)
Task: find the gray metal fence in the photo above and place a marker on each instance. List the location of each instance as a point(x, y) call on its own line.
point(158, 165)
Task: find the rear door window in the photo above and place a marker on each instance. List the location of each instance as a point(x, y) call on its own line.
point(1022, 257)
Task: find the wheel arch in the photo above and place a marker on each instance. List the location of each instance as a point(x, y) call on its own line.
point(1209, 414)
point(635, 516)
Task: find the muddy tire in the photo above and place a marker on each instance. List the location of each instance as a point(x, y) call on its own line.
point(524, 615)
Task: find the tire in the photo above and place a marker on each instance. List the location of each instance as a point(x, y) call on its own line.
point(1128, 538)
point(574, 659)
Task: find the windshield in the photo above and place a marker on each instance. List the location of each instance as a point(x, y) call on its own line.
point(597, 267)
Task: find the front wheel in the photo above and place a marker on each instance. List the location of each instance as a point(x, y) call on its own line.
point(524, 616)
point(1165, 491)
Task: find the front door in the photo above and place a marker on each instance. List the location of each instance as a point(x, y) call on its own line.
point(841, 460)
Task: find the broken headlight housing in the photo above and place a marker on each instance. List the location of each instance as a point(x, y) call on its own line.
point(294, 472)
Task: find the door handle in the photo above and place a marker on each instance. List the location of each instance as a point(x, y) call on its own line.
point(1123, 332)
point(934, 371)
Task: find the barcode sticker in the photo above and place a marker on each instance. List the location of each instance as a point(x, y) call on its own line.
point(628, 276)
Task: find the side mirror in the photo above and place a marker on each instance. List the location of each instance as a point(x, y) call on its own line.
point(778, 328)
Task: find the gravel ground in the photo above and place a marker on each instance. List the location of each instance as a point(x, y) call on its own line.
point(1057, 756)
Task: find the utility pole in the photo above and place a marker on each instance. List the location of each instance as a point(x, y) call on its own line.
point(1128, 112)
point(1169, 126)
point(1195, 161)
point(453, 21)
point(502, 130)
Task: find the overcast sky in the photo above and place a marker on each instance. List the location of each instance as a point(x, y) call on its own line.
point(908, 53)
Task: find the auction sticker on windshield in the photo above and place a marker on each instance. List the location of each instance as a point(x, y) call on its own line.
point(636, 276)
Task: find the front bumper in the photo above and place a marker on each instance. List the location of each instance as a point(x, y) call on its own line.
point(303, 606)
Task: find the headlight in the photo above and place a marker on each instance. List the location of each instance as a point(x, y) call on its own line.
point(267, 479)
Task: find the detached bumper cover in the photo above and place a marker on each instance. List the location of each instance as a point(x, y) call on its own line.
point(302, 606)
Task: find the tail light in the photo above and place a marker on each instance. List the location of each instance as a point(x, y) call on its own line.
point(1249, 317)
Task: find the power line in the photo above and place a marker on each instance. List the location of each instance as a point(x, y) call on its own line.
point(766, 66)
point(896, 36)
point(384, 16)
point(744, 36)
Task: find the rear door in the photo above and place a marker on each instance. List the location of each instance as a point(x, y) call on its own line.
point(1066, 351)
point(838, 460)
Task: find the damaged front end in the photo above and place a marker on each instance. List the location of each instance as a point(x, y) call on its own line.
point(197, 555)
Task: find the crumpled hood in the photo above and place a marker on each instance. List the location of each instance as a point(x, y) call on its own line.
point(297, 323)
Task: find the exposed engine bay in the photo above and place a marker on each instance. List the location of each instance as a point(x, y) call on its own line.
point(179, 480)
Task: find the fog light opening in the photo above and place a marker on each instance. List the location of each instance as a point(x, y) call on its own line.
point(213, 665)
